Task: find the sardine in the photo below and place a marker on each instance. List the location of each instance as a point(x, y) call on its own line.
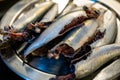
point(110, 72)
point(79, 37)
point(47, 18)
point(51, 14)
point(76, 38)
point(97, 58)
point(31, 16)
point(108, 30)
point(53, 31)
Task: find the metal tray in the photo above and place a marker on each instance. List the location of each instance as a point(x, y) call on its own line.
point(14, 62)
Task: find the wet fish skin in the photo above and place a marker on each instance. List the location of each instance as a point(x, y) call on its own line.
point(109, 25)
point(53, 31)
point(32, 15)
point(47, 18)
point(79, 36)
point(110, 72)
point(51, 14)
point(97, 58)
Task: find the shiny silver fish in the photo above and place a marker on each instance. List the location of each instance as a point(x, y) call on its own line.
point(97, 58)
point(53, 31)
point(108, 30)
point(47, 18)
point(79, 37)
point(32, 15)
point(51, 14)
point(76, 38)
point(110, 72)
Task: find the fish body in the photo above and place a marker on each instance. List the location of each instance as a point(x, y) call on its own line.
point(79, 36)
point(31, 16)
point(98, 57)
point(51, 14)
point(47, 18)
point(53, 31)
point(75, 39)
point(110, 72)
point(108, 28)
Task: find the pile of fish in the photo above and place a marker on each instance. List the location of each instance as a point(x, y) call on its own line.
point(84, 34)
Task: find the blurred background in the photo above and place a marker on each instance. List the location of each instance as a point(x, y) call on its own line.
point(5, 72)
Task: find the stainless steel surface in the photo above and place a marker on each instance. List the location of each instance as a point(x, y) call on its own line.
point(14, 62)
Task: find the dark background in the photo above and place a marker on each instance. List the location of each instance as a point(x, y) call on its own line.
point(5, 72)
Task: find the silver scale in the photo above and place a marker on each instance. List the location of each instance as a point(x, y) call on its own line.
point(14, 62)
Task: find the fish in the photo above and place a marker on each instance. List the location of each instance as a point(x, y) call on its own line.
point(76, 38)
point(31, 16)
point(79, 37)
point(53, 31)
point(51, 14)
point(47, 18)
point(108, 30)
point(63, 25)
point(110, 72)
point(97, 58)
